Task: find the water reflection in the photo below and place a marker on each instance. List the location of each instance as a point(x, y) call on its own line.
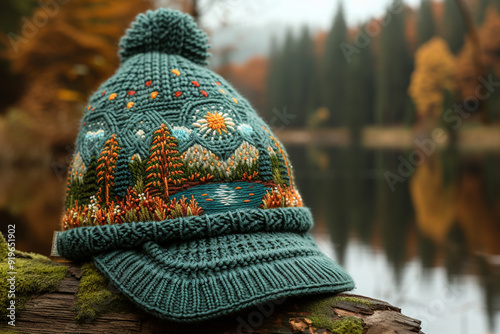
point(442, 221)
point(446, 215)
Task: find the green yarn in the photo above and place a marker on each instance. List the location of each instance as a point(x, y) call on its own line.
point(80, 244)
point(206, 278)
point(138, 172)
point(168, 32)
point(180, 193)
point(189, 128)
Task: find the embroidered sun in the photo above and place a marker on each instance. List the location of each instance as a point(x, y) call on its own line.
point(214, 123)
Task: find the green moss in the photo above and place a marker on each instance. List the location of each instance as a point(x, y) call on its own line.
point(321, 313)
point(34, 275)
point(32, 256)
point(323, 316)
point(347, 325)
point(7, 331)
point(94, 296)
point(4, 250)
point(352, 300)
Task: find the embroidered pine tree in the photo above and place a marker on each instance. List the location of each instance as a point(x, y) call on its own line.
point(123, 178)
point(279, 163)
point(137, 168)
point(275, 165)
point(106, 165)
point(89, 187)
point(164, 167)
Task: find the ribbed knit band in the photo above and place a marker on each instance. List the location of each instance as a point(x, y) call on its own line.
point(80, 244)
point(210, 277)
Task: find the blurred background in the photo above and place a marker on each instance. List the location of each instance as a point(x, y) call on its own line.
point(390, 111)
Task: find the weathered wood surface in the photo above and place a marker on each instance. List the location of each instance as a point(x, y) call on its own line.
point(54, 313)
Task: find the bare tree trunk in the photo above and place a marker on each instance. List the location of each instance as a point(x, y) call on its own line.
point(476, 51)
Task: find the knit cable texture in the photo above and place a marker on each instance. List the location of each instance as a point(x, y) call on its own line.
point(168, 32)
point(82, 243)
point(206, 278)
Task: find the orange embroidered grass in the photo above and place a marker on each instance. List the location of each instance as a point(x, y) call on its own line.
point(280, 197)
point(247, 177)
point(133, 208)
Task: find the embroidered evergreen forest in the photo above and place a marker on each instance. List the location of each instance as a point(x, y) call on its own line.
point(168, 184)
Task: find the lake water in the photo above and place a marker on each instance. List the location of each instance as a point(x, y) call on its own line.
point(431, 246)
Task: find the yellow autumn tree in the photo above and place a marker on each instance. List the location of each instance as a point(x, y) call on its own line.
point(433, 75)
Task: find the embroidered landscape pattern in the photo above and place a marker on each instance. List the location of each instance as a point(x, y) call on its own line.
point(210, 160)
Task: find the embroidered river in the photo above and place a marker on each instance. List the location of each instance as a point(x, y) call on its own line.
point(234, 195)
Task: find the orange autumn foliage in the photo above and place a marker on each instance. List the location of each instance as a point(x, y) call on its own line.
point(63, 62)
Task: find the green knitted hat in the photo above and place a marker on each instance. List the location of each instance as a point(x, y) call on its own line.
point(179, 192)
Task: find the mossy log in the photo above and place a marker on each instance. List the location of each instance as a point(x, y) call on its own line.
point(84, 302)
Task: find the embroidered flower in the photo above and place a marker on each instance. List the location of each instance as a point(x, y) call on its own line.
point(214, 123)
point(140, 134)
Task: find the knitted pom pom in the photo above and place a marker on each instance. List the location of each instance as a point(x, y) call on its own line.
point(167, 31)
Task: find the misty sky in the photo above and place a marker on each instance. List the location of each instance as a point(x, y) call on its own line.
point(315, 13)
point(249, 26)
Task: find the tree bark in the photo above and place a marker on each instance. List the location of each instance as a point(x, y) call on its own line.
point(54, 313)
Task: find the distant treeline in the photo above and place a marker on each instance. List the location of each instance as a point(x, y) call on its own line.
point(361, 76)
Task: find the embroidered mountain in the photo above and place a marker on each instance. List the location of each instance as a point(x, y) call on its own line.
point(169, 184)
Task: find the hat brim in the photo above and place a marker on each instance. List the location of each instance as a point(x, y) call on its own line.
point(196, 280)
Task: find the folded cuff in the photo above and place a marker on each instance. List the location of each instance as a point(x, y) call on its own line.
point(82, 243)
